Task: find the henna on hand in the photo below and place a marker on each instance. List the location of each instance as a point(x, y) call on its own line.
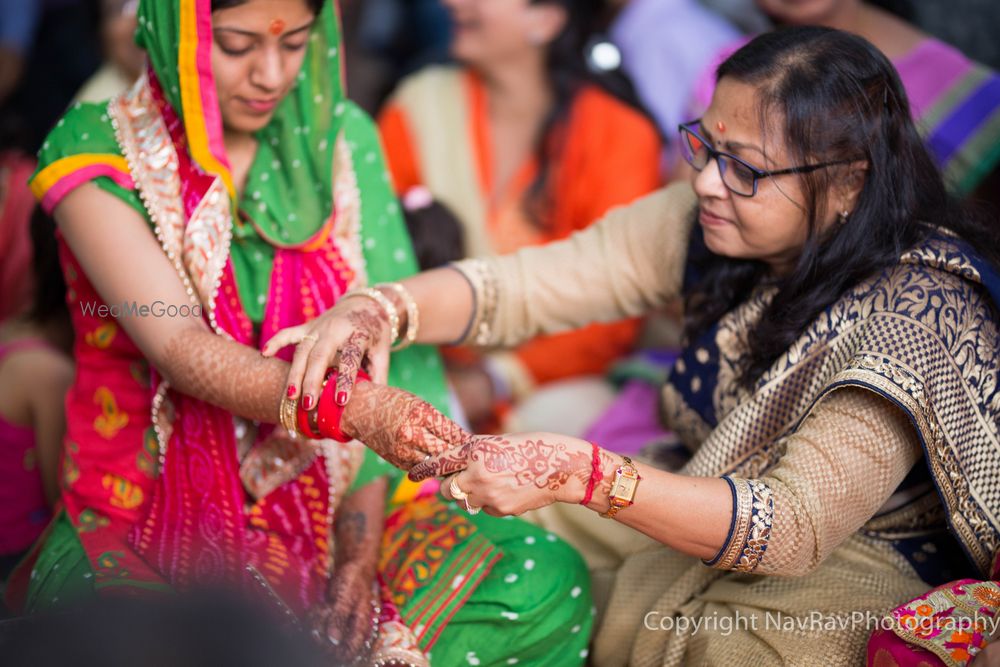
point(343, 621)
point(368, 325)
point(398, 426)
point(546, 465)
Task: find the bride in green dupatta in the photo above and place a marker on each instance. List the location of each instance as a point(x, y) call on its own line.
point(837, 400)
point(234, 192)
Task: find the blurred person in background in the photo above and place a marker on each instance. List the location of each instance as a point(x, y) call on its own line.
point(123, 59)
point(665, 45)
point(231, 192)
point(955, 101)
point(435, 231)
point(525, 146)
point(48, 49)
point(16, 206)
point(36, 370)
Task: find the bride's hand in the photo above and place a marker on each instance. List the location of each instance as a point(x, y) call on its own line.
point(398, 426)
point(352, 334)
point(511, 474)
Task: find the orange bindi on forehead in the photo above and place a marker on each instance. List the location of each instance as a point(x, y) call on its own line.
point(720, 126)
point(277, 27)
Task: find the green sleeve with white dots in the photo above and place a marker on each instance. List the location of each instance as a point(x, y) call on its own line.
point(86, 129)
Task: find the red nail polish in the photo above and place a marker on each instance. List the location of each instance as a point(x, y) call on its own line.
point(307, 402)
point(341, 398)
point(291, 391)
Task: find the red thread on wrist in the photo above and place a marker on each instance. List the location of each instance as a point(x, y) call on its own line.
point(329, 414)
point(596, 474)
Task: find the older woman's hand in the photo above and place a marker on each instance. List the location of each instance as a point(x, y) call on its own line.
point(512, 474)
point(398, 426)
point(352, 334)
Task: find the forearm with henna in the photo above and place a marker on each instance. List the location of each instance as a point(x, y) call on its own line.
point(222, 372)
point(398, 426)
point(560, 467)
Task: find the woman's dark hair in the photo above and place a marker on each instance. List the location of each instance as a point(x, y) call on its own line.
point(315, 5)
point(436, 235)
point(836, 97)
point(568, 72)
point(49, 304)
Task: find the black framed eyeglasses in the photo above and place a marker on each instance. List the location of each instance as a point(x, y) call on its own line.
point(739, 176)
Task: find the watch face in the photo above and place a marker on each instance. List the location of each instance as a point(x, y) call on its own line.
point(624, 487)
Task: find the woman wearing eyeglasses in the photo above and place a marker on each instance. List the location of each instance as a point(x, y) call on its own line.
point(839, 389)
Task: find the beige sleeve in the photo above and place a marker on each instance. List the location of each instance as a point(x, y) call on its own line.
point(839, 468)
point(629, 262)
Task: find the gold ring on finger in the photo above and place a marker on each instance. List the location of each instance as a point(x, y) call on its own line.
point(313, 337)
point(456, 491)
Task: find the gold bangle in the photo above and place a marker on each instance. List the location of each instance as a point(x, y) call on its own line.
point(287, 415)
point(383, 301)
point(412, 315)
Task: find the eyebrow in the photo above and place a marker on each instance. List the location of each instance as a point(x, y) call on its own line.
point(250, 33)
point(731, 145)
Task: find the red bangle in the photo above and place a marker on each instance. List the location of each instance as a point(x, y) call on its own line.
point(328, 413)
point(596, 474)
point(302, 421)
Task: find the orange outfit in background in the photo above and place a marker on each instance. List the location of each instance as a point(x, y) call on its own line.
point(610, 155)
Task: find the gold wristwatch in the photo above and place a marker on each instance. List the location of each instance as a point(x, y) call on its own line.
point(623, 487)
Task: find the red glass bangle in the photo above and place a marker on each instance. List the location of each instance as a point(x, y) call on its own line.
point(328, 413)
point(302, 421)
point(596, 474)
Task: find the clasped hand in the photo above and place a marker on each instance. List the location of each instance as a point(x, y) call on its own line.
point(505, 474)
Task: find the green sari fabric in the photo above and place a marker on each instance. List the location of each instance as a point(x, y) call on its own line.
point(533, 608)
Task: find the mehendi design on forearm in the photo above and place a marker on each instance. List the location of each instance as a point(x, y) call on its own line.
point(545, 465)
point(398, 426)
point(222, 372)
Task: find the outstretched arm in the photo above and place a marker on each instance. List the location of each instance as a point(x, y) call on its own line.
point(838, 470)
point(624, 265)
point(125, 263)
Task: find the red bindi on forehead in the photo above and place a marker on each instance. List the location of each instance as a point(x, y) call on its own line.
point(277, 27)
point(720, 126)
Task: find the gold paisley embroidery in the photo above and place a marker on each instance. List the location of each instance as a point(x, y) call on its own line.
point(89, 521)
point(124, 493)
point(70, 470)
point(102, 336)
point(111, 420)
